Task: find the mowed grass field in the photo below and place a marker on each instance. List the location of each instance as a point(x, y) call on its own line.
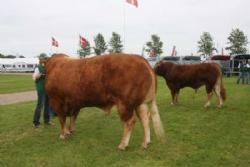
point(10, 83)
point(195, 136)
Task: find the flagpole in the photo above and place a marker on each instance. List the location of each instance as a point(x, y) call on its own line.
point(50, 50)
point(79, 44)
point(57, 45)
point(124, 23)
point(51, 45)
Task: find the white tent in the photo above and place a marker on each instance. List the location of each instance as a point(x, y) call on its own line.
point(18, 64)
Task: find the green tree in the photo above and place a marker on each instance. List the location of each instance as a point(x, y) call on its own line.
point(205, 44)
point(155, 44)
point(237, 42)
point(2, 56)
point(115, 43)
point(84, 51)
point(100, 44)
point(10, 56)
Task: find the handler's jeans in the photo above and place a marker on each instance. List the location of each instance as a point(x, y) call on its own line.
point(42, 103)
point(247, 77)
point(242, 77)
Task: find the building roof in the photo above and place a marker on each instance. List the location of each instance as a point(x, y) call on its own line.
point(19, 60)
point(220, 57)
point(242, 56)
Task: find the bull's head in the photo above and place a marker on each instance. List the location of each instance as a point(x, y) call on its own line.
point(158, 68)
point(162, 67)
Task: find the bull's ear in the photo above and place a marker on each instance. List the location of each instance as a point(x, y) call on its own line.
point(159, 62)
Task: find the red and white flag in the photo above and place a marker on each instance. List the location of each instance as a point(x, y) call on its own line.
point(83, 42)
point(133, 2)
point(222, 51)
point(174, 53)
point(54, 42)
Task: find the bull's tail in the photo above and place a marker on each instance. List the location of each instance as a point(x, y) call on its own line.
point(154, 113)
point(158, 128)
point(222, 91)
point(220, 82)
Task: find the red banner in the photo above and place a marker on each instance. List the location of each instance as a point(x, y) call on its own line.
point(133, 2)
point(54, 42)
point(83, 42)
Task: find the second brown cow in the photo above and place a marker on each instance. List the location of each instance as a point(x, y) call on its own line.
point(194, 76)
point(126, 81)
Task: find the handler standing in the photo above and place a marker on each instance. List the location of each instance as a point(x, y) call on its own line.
point(243, 71)
point(42, 100)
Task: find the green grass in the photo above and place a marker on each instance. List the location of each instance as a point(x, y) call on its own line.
point(195, 136)
point(10, 83)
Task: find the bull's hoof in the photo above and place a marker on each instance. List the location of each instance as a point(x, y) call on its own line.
point(122, 147)
point(67, 132)
point(206, 105)
point(72, 131)
point(144, 145)
point(62, 137)
point(219, 106)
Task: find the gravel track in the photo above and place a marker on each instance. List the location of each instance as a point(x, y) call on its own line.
point(12, 98)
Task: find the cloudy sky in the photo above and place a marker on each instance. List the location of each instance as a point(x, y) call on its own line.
point(26, 26)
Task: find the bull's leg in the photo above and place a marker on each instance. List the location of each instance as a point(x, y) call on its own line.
point(62, 120)
point(73, 117)
point(128, 126)
point(209, 89)
point(72, 123)
point(144, 115)
point(176, 97)
point(173, 93)
point(209, 97)
point(107, 110)
point(217, 90)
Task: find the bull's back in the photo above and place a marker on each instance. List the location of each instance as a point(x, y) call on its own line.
point(100, 80)
point(128, 77)
point(194, 75)
point(189, 72)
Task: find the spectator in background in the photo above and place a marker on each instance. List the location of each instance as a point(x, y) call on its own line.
point(248, 72)
point(240, 76)
point(3, 68)
point(243, 72)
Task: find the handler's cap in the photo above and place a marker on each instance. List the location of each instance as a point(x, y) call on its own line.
point(42, 60)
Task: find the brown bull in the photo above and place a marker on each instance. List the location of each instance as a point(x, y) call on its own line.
point(126, 81)
point(194, 76)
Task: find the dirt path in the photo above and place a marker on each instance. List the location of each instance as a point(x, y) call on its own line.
point(14, 73)
point(17, 97)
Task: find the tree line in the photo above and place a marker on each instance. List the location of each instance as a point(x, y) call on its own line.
point(115, 45)
point(237, 44)
point(100, 46)
point(10, 56)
